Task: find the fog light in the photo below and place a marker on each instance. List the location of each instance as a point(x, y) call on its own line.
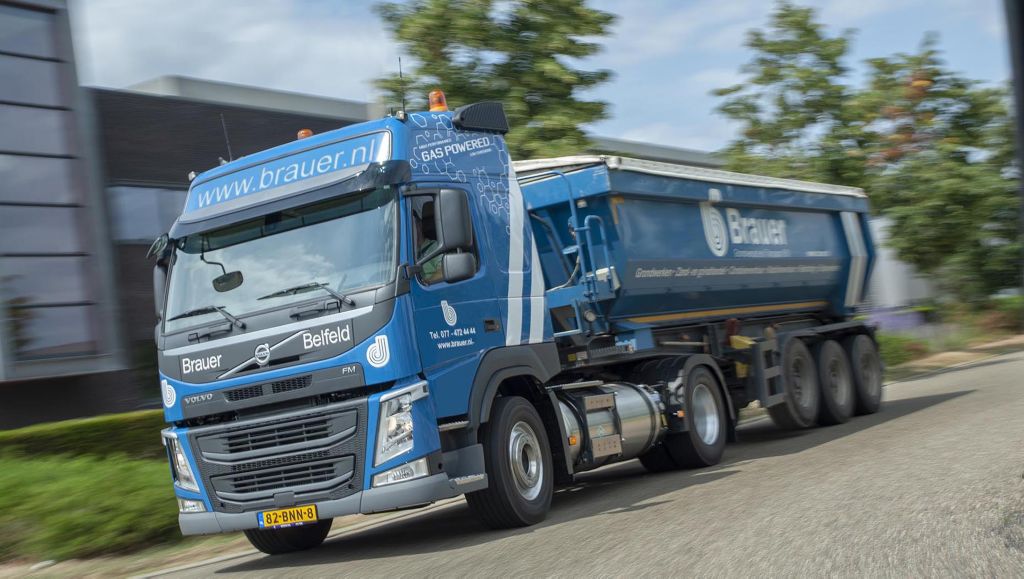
point(408, 471)
point(191, 506)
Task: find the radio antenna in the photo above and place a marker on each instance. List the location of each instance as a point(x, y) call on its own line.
point(227, 141)
point(401, 81)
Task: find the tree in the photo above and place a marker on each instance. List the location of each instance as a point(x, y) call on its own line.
point(793, 109)
point(933, 150)
point(516, 52)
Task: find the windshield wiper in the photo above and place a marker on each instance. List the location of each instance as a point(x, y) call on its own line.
point(308, 287)
point(209, 310)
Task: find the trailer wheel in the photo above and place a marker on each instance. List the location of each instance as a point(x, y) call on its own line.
point(800, 377)
point(836, 378)
point(867, 373)
point(289, 540)
point(520, 471)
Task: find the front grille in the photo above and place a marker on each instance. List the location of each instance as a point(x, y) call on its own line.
point(284, 460)
point(290, 384)
point(279, 436)
point(244, 393)
point(314, 455)
point(277, 387)
point(291, 477)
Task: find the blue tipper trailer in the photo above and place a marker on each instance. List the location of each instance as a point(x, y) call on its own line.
point(395, 313)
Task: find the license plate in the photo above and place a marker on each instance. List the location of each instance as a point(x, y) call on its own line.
point(287, 517)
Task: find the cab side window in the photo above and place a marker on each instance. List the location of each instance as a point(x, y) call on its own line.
point(426, 241)
point(425, 238)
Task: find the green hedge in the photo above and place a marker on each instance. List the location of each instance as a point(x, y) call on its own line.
point(133, 434)
point(65, 507)
point(897, 349)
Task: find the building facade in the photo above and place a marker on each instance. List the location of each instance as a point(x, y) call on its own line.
point(57, 294)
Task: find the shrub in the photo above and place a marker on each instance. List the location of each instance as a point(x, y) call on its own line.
point(64, 507)
point(133, 434)
point(898, 349)
point(1006, 313)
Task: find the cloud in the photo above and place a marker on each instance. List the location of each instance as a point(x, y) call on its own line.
point(652, 30)
point(320, 48)
point(709, 134)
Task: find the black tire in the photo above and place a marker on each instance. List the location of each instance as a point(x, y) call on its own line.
point(658, 459)
point(866, 367)
point(289, 540)
point(514, 498)
point(687, 449)
point(800, 378)
point(704, 442)
point(836, 379)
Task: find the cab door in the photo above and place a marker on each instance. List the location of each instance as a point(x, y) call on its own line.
point(457, 316)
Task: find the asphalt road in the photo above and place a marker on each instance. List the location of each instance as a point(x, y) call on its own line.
point(931, 485)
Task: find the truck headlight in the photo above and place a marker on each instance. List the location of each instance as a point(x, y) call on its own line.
point(395, 426)
point(180, 467)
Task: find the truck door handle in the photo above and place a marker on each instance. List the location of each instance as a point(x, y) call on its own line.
point(491, 325)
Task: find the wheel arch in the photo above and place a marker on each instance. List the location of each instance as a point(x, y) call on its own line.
point(706, 360)
point(511, 364)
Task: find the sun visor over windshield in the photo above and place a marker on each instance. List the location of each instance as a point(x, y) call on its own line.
point(311, 190)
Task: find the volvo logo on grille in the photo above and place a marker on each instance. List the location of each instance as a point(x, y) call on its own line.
point(262, 354)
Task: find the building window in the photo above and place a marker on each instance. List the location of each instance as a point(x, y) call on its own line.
point(40, 230)
point(35, 131)
point(28, 32)
point(141, 214)
point(33, 281)
point(52, 332)
point(38, 81)
point(37, 179)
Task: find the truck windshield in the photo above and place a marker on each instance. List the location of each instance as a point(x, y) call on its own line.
point(345, 244)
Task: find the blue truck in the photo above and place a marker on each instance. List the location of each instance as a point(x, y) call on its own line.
point(395, 313)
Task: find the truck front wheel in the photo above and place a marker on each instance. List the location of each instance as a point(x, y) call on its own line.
point(519, 467)
point(289, 540)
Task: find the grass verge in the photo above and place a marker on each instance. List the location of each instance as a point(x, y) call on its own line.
point(63, 507)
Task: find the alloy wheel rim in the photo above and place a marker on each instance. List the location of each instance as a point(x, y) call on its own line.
point(705, 414)
point(525, 460)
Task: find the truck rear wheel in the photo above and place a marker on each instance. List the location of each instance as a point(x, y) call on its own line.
point(704, 441)
point(866, 368)
point(289, 540)
point(836, 378)
point(520, 471)
point(800, 377)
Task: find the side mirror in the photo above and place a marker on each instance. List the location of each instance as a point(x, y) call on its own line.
point(458, 266)
point(156, 250)
point(159, 281)
point(228, 281)
point(452, 221)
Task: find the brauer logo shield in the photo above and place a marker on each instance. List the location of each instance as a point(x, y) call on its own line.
point(714, 230)
point(450, 317)
point(377, 354)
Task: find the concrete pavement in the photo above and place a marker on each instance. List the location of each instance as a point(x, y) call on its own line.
point(931, 485)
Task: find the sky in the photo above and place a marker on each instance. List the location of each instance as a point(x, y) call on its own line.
point(666, 55)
